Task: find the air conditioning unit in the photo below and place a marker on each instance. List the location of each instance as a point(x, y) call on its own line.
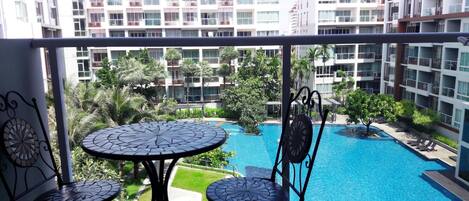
point(136, 23)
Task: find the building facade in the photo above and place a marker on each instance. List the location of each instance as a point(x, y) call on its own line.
point(174, 18)
point(360, 61)
point(432, 75)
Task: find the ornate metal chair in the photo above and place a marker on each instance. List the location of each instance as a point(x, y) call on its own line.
point(295, 143)
point(28, 168)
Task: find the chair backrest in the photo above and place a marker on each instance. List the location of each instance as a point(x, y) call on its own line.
point(25, 143)
point(296, 140)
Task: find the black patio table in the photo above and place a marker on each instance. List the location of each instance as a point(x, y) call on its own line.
point(146, 142)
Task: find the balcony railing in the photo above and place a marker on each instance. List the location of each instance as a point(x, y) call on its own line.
point(462, 97)
point(446, 91)
point(451, 65)
point(425, 62)
point(413, 60)
point(455, 8)
point(286, 43)
point(410, 82)
point(435, 89)
point(445, 118)
point(192, 80)
point(344, 56)
point(344, 19)
point(424, 86)
point(366, 55)
point(464, 68)
point(365, 73)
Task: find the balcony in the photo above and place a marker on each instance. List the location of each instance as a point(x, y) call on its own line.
point(455, 8)
point(344, 56)
point(94, 24)
point(432, 11)
point(446, 91)
point(192, 80)
point(451, 65)
point(427, 62)
point(344, 19)
point(97, 3)
point(413, 60)
point(224, 3)
point(424, 86)
point(367, 56)
point(366, 74)
point(410, 82)
point(190, 3)
point(135, 3)
point(371, 18)
point(27, 50)
point(445, 118)
point(172, 3)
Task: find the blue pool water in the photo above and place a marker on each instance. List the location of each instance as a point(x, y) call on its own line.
point(346, 168)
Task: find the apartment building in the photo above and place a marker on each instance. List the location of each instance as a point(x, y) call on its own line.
point(174, 18)
point(36, 19)
point(361, 61)
point(433, 75)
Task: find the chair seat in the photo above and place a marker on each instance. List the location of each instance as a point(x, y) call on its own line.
point(85, 190)
point(245, 189)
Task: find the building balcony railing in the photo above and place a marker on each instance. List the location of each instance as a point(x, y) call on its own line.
point(451, 65)
point(395, 16)
point(97, 3)
point(455, 8)
point(462, 97)
point(171, 23)
point(365, 73)
point(116, 22)
point(410, 83)
point(225, 2)
point(211, 79)
point(135, 3)
point(191, 3)
point(435, 89)
point(174, 3)
point(192, 79)
point(371, 18)
point(413, 60)
point(424, 86)
point(211, 97)
point(344, 56)
point(366, 55)
point(210, 21)
point(446, 91)
point(344, 19)
point(432, 11)
point(446, 118)
point(347, 74)
point(464, 68)
point(425, 62)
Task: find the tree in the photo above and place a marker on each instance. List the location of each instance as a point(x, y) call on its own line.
point(405, 109)
point(216, 158)
point(87, 167)
point(224, 71)
point(302, 69)
point(167, 107)
point(227, 55)
point(424, 119)
point(203, 72)
point(344, 87)
point(107, 76)
point(172, 56)
point(364, 108)
point(189, 69)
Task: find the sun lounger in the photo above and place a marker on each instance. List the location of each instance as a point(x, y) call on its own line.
point(425, 146)
point(430, 148)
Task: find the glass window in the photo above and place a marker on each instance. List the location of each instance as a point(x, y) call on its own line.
point(267, 33)
point(173, 33)
point(324, 88)
point(83, 68)
point(152, 18)
point(21, 11)
point(211, 56)
point(191, 54)
point(464, 163)
point(97, 17)
point(99, 56)
point(271, 53)
point(115, 55)
point(245, 1)
point(457, 118)
point(209, 18)
point(39, 12)
point(208, 2)
point(80, 29)
point(157, 54)
point(82, 52)
point(78, 7)
point(267, 17)
point(137, 34)
point(189, 17)
point(171, 17)
point(190, 33)
point(134, 18)
point(154, 33)
point(151, 2)
point(244, 17)
point(114, 2)
point(326, 16)
point(116, 19)
point(463, 91)
point(116, 33)
point(244, 33)
point(464, 63)
point(267, 1)
point(225, 18)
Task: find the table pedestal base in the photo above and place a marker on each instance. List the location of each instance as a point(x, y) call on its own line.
point(159, 179)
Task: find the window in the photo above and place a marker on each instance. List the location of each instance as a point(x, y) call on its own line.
point(39, 12)
point(324, 88)
point(208, 2)
point(134, 18)
point(326, 16)
point(116, 19)
point(114, 2)
point(244, 17)
point(209, 18)
point(267, 33)
point(80, 29)
point(271, 53)
point(244, 33)
point(267, 17)
point(137, 34)
point(190, 33)
point(171, 18)
point(267, 1)
point(174, 33)
point(151, 2)
point(463, 91)
point(245, 1)
point(21, 11)
point(224, 33)
point(464, 63)
point(97, 17)
point(243, 55)
point(154, 33)
point(83, 68)
point(465, 27)
point(225, 18)
point(78, 7)
point(189, 17)
point(116, 33)
point(99, 56)
point(82, 52)
point(334, 30)
point(115, 55)
point(191, 54)
point(101, 33)
point(156, 54)
point(211, 56)
point(457, 118)
point(152, 18)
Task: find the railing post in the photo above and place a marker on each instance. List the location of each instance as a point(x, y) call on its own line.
point(286, 56)
point(61, 116)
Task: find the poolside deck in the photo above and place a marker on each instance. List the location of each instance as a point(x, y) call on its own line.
point(446, 179)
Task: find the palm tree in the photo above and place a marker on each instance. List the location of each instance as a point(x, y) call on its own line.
point(301, 69)
point(189, 69)
point(204, 71)
point(227, 55)
point(172, 56)
point(224, 71)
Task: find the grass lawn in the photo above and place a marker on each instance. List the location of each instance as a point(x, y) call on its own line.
point(191, 179)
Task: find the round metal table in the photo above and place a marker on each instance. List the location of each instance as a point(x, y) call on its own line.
point(147, 142)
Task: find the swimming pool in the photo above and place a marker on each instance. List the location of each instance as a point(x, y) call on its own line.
point(346, 168)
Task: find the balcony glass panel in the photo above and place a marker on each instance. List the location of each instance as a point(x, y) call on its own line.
point(463, 91)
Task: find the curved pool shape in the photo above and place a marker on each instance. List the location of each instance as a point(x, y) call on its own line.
point(346, 168)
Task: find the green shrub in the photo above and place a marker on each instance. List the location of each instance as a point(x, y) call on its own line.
point(168, 106)
point(445, 140)
point(216, 158)
point(340, 110)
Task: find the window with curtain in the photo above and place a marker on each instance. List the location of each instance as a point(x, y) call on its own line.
point(267, 17)
point(244, 17)
point(463, 91)
point(464, 62)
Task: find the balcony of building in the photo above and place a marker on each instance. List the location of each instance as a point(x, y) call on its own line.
point(446, 113)
point(451, 59)
point(453, 25)
point(425, 81)
point(453, 6)
point(135, 3)
point(448, 86)
point(423, 102)
point(172, 3)
point(410, 77)
point(96, 3)
point(190, 3)
point(433, 26)
point(225, 3)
